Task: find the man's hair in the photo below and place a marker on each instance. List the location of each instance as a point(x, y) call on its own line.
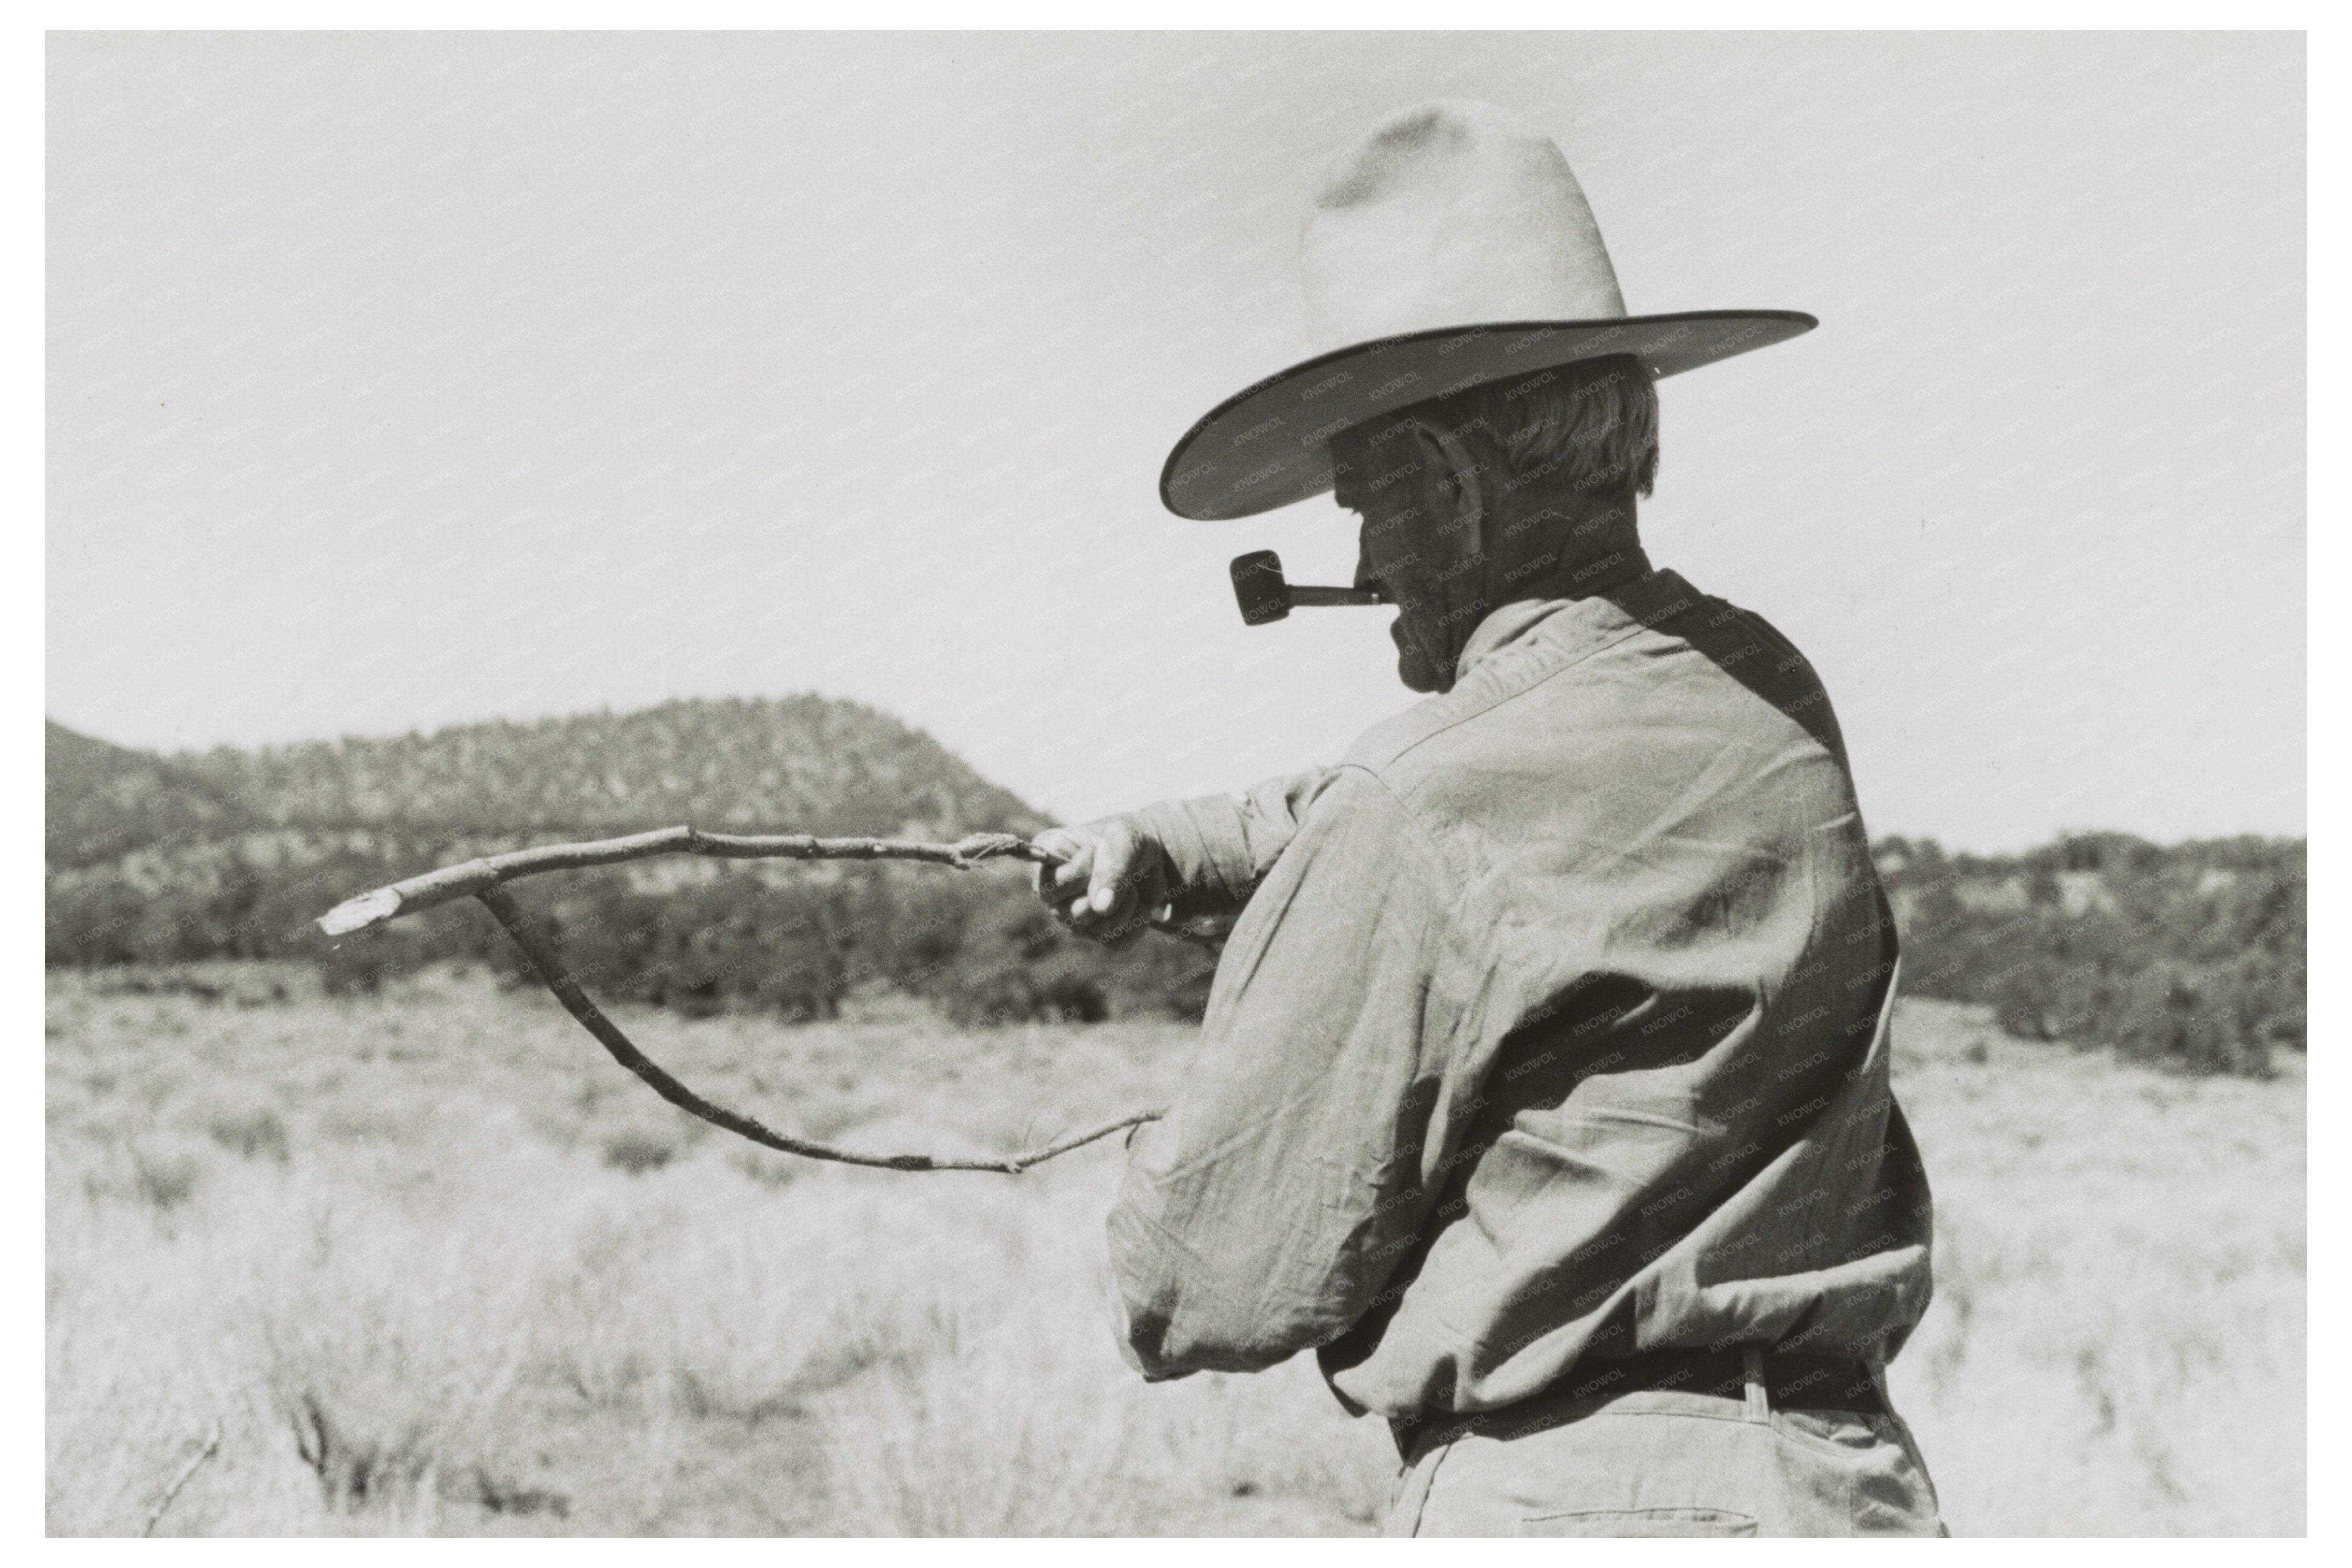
point(1589, 425)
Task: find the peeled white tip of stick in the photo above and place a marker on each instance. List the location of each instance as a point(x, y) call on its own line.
point(353, 914)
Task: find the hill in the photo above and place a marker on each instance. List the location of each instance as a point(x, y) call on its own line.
point(105, 800)
point(230, 853)
point(801, 764)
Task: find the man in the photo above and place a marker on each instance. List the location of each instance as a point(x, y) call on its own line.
point(1543, 1087)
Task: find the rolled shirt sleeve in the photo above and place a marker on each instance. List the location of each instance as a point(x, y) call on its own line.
point(1219, 847)
point(1264, 1215)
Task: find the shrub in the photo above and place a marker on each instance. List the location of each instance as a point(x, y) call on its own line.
point(2192, 958)
point(639, 1152)
point(2172, 1015)
point(253, 1131)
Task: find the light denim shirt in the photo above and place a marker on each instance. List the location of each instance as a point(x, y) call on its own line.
point(1553, 1030)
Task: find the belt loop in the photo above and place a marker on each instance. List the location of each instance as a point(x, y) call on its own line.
point(1759, 1400)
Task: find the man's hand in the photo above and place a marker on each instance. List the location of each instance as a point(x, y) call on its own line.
point(1111, 881)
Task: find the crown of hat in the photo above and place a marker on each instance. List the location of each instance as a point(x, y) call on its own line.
point(1451, 214)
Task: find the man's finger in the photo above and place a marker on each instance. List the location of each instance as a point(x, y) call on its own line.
point(1114, 857)
point(1070, 870)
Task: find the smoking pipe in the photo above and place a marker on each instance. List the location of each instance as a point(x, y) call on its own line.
point(1265, 595)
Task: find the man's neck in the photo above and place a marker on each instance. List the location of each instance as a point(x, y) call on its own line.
point(1573, 547)
point(1562, 545)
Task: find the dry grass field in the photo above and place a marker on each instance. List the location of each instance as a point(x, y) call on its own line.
point(430, 1263)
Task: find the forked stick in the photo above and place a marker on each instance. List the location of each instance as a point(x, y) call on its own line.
point(481, 879)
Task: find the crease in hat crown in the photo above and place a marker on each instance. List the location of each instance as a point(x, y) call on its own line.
point(1450, 244)
point(1450, 213)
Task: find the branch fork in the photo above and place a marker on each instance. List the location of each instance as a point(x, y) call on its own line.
point(484, 880)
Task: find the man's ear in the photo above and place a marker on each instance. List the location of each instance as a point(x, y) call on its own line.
point(1456, 491)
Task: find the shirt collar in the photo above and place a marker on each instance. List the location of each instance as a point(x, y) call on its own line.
point(1510, 622)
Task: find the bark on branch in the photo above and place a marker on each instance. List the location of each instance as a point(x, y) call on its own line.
point(470, 878)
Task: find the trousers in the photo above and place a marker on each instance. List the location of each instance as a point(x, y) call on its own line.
point(1670, 1462)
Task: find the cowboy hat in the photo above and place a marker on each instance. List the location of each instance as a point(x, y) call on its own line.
point(1450, 246)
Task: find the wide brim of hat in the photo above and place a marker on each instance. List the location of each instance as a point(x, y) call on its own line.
point(1268, 445)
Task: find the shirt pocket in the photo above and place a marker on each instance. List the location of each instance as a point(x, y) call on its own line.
point(1642, 1522)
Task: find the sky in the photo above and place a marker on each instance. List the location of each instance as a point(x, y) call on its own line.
point(399, 381)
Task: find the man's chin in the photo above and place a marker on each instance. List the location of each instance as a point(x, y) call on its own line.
point(1412, 668)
